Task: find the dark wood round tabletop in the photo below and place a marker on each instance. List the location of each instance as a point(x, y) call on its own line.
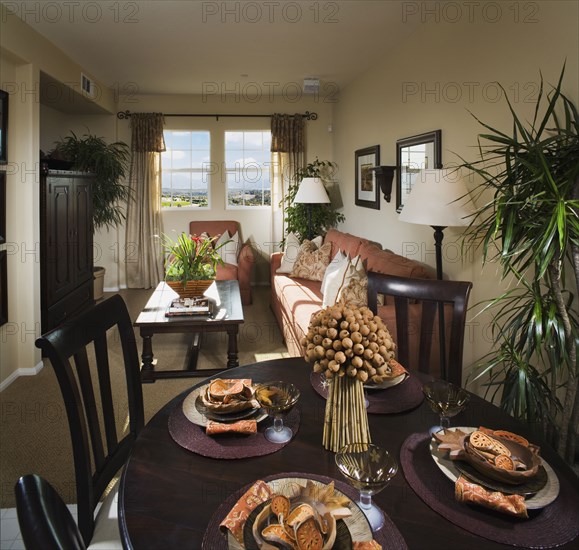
point(169, 494)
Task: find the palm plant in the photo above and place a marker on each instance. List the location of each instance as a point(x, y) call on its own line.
point(323, 216)
point(531, 227)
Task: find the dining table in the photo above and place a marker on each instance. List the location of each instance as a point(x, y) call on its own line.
point(178, 483)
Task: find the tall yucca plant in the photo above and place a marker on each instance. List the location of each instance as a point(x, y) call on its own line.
point(531, 227)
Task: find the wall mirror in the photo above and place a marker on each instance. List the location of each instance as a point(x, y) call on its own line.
point(3, 126)
point(414, 154)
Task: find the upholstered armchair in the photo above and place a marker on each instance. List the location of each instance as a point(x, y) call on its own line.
point(245, 259)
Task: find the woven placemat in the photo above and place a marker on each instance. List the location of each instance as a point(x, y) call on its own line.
point(388, 536)
point(554, 525)
point(228, 445)
point(396, 399)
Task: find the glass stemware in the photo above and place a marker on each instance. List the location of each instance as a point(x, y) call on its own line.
point(446, 400)
point(276, 398)
point(368, 468)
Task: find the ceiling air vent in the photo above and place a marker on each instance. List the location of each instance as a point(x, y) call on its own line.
point(311, 86)
point(86, 85)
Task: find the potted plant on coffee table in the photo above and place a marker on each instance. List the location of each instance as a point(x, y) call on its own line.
point(109, 163)
point(191, 263)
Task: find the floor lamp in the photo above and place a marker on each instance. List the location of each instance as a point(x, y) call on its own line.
point(439, 201)
point(310, 192)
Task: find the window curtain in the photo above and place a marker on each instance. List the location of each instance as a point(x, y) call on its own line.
point(288, 146)
point(143, 256)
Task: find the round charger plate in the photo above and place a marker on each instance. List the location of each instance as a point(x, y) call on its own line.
point(389, 383)
point(540, 499)
point(192, 413)
point(357, 525)
point(212, 415)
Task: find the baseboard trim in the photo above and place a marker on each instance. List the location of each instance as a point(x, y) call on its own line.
point(32, 371)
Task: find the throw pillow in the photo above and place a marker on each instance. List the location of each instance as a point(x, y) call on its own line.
point(333, 278)
point(355, 271)
point(311, 262)
point(318, 241)
point(230, 249)
point(290, 253)
point(355, 293)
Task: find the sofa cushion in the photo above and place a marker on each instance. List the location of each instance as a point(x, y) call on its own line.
point(300, 298)
point(383, 261)
point(311, 262)
point(227, 272)
point(348, 244)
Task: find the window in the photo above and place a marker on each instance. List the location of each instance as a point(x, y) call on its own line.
point(248, 162)
point(186, 168)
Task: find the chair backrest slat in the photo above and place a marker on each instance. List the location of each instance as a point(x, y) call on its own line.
point(424, 301)
point(86, 407)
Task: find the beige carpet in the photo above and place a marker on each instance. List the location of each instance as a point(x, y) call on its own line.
point(34, 435)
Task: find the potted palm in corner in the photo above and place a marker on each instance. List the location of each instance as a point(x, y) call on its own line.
point(109, 163)
point(530, 226)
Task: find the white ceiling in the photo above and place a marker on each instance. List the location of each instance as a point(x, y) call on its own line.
point(195, 46)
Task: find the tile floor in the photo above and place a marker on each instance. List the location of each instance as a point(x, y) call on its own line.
point(10, 538)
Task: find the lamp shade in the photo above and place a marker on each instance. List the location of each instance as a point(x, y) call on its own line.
point(311, 191)
point(438, 200)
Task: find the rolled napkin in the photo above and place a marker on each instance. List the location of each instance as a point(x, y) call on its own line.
point(240, 427)
point(396, 369)
point(234, 521)
point(366, 545)
point(465, 491)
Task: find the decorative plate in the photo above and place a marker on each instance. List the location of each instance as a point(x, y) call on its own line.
point(540, 499)
point(231, 417)
point(192, 413)
point(389, 383)
point(355, 527)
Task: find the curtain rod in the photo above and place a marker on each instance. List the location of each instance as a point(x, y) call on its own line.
point(307, 115)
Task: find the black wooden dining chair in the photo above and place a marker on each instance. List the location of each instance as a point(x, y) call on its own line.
point(44, 520)
point(100, 388)
point(417, 302)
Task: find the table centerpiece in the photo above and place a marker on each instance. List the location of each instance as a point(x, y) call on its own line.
point(191, 263)
point(351, 346)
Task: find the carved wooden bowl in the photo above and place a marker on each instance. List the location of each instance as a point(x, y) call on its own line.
point(525, 455)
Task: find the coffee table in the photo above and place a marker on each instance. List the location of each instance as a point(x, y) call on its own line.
point(227, 316)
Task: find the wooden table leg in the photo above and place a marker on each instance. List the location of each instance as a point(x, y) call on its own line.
point(232, 359)
point(148, 370)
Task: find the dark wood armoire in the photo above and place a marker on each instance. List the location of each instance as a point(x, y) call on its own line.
point(66, 245)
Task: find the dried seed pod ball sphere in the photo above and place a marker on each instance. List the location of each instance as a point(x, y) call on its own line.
point(349, 341)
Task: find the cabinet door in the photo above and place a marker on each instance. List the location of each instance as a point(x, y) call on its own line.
point(59, 262)
point(83, 241)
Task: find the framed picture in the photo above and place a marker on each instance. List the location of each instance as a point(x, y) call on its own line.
point(414, 154)
point(367, 193)
point(3, 288)
point(3, 126)
point(2, 207)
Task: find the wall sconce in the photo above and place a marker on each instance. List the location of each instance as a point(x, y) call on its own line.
point(384, 177)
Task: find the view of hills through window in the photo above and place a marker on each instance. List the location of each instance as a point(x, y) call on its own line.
point(188, 172)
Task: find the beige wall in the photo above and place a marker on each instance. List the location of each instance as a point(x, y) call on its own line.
point(431, 82)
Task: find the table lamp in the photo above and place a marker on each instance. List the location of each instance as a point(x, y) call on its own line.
point(440, 202)
point(311, 191)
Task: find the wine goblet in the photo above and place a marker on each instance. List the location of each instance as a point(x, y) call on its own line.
point(368, 468)
point(446, 400)
point(276, 398)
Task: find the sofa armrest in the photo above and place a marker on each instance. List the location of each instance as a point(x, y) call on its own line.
point(274, 262)
point(245, 262)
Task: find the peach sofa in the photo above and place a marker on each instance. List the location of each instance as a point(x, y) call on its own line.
point(245, 259)
point(293, 300)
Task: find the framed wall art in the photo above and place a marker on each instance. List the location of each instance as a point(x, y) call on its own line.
point(367, 192)
point(2, 207)
point(3, 287)
point(3, 126)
